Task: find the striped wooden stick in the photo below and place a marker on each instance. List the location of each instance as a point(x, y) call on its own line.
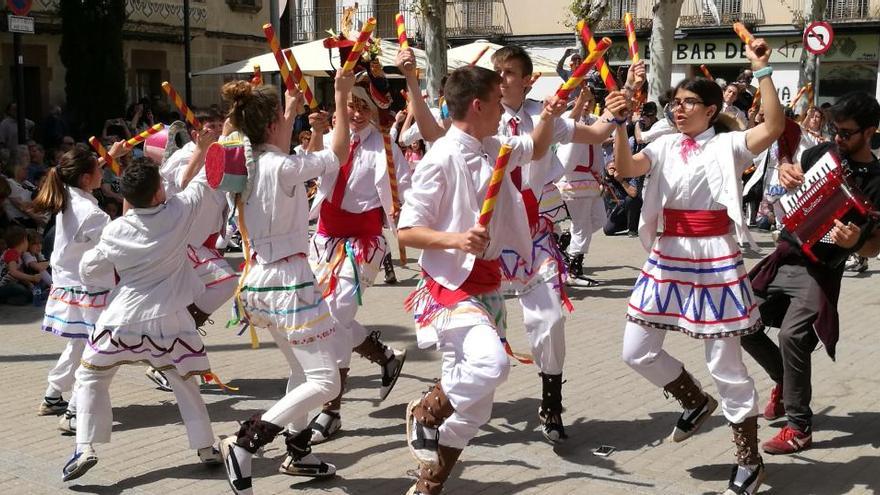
point(577, 77)
point(631, 36)
point(359, 45)
point(184, 110)
point(479, 55)
point(300, 79)
point(494, 185)
point(601, 65)
point(140, 138)
point(102, 152)
point(279, 58)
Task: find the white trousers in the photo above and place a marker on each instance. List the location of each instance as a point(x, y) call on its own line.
point(63, 375)
point(544, 322)
point(94, 419)
point(474, 365)
point(587, 216)
point(215, 296)
point(314, 378)
point(344, 307)
point(643, 351)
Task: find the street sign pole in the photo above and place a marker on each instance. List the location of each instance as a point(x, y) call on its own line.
point(19, 87)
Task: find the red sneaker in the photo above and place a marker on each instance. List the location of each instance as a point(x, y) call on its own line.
point(788, 441)
point(775, 409)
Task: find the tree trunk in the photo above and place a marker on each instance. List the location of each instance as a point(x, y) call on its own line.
point(814, 10)
point(666, 13)
point(434, 20)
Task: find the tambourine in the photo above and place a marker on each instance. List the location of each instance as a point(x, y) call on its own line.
point(226, 166)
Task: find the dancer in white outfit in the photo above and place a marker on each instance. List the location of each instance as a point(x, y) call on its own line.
point(73, 308)
point(694, 280)
point(278, 290)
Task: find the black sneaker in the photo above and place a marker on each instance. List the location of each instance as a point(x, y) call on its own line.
point(391, 372)
point(551, 426)
point(750, 480)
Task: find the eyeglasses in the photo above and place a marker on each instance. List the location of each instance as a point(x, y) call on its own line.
point(844, 134)
point(688, 103)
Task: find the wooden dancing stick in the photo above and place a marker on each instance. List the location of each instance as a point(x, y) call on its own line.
point(257, 79)
point(184, 110)
point(392, 180)
point(601, 65)
point(577, 77)
point(494, 185)
point(300, 79)
point(706, 73)
point(631, 36)
point(746, 37)
point(479, 56)
point(359, 45)
point(107, 157)
point(279, 58)
point(140, 138)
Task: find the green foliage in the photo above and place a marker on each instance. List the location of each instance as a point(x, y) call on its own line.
point(91, 51)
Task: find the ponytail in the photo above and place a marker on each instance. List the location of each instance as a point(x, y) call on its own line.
point(52, 197)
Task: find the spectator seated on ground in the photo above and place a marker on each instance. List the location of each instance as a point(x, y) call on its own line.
point(15, 284)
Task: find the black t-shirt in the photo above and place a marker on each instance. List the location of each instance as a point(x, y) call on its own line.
point(866, 177)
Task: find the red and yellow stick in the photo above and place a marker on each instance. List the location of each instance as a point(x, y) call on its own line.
point(800, 93)
point(577, 77)
point(140, 138)
point(746, 36)
point(359, 45)
point(494, 185)
point(279, 58)
point(706, 73)
point(401, 31)
point(601, 65)
point(534, 79)
point(300, 79)
point(392, 180)
point(479, 55)
point(631, 36)
point(102, 152)
point(257, 79)
point(184, 110)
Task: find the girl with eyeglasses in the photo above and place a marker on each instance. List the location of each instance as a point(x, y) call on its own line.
point(694, 280)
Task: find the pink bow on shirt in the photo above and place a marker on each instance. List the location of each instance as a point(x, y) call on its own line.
point(689, 146)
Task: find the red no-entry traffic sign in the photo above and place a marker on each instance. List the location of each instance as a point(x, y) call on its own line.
point(818, 37)
point(20, 7)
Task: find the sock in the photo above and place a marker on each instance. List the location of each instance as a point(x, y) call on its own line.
point(52, 392)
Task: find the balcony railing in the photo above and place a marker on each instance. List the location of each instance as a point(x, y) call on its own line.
point(696, 13)
point(474, 18)
point(613, 20)
point(842, 10)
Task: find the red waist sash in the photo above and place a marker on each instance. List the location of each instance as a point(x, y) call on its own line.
point(695, 223)
point(336, 222)
point(485, 277)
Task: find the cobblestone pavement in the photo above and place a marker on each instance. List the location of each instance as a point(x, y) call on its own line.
point(606, 404)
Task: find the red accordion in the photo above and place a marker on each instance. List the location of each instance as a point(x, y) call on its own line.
point(826, 195)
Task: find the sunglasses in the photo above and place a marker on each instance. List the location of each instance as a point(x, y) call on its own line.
point(845, 134)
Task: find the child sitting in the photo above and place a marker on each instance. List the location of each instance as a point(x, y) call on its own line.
point(15, 284)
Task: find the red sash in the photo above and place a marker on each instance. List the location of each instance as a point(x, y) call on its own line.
point(485, 277)
point(695, 223)
point(336, 222)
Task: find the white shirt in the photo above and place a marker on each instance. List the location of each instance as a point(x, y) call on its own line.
point(147, 247)
point(736, 113)
point(413, 134)
point(20, 193)
point(77, 229)
point(276, 212)
point(527, 117)
point(368, 185)
point(172, 172)
point(580, 183)
point(711, 179)
point(448, 190)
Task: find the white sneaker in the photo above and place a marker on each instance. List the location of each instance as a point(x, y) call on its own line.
point(159, 379)
point(422, 440)
point(67, 423)
point(79, 464)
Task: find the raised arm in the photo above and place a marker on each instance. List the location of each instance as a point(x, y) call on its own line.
point(341, 138)
point(319, 122)
point(204, 139)
point(627, 164)
point(428, 127)
point(761, 136)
